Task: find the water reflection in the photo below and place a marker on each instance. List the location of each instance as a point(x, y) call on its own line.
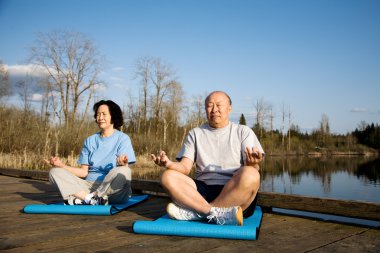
point(351, 178)
point(370, 170)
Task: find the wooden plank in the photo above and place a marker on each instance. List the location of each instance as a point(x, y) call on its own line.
point(356, 209)
point(295, 235)
point(366, 241)
point(32, 232)
point(79, 233)
point(34, 174)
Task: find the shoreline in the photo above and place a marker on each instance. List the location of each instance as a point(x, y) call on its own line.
point(325, 154)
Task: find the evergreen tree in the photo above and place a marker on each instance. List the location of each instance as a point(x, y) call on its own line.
point(369, 136)
point(242, 120)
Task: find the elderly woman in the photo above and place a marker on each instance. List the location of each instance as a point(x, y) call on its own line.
point(104, 176)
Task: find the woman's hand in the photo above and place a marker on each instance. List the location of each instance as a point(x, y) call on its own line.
point(55, 161)
point(122, 160)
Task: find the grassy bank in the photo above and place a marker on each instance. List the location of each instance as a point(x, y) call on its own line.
point(143, 169)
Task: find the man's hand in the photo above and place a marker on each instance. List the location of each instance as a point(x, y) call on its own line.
point(55, 161)
point(161, 159)
point(122, 160)
point(253, 157)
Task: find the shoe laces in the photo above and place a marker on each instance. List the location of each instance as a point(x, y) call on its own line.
point(188, 214)
point(74, 201)
point(221, 215)
point(95, 200)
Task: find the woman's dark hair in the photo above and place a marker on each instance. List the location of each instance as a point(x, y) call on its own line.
point(115, 111)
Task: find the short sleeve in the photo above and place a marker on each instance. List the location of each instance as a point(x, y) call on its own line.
point(250, 140)
point(188, 148)
point(126, 148)
point(84, 154)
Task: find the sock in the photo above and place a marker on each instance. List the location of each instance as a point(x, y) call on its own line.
point(88, 198)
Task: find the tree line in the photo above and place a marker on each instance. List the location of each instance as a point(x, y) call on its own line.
point(369, 135)
point(158, 119)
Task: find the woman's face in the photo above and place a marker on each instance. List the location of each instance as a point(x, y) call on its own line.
point(103, 118)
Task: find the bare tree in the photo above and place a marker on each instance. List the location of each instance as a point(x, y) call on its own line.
point(131, 114)
point(271, 118)
point(175, 102)
point(324, 129)
point(261, 112)
point(324, 124)
point(199, 107)
point(29, 85)
point(24, 91)
point(5, 88)
point(283, 113)
point(362, 125)
point(289, 126)
point(143, 66)
point(72, 64)
point(174, 107)
point(162, 78)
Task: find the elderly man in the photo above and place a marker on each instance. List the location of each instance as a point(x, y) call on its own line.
point(227, 158)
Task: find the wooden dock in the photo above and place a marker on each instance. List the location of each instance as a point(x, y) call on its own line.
point(21, 232)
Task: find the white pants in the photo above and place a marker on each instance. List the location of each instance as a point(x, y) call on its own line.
point(116, 185)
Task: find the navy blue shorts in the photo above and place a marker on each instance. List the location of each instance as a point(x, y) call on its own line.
point(210, 192)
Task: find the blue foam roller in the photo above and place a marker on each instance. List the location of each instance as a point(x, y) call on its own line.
point(60, 208)
point(167, 226)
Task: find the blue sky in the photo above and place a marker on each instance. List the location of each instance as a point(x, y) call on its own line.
point(315, 57)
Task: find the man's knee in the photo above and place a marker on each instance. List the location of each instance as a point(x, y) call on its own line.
point(250, 176)
point(168, 178)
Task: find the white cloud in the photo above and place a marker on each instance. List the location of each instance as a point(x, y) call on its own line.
point(120, 86)
point(118, 69)
point(248, 98)
point(115, 78)
point(24, 70)
point(359, 110)
point(36, 97)
point(100, 87)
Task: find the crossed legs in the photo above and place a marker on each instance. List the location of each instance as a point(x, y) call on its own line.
point(117, 184)
point(240, 190)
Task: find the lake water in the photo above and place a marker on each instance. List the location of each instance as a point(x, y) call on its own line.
point(346, 178)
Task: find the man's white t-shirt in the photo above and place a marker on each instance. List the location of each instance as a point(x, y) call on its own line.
point(218, 152)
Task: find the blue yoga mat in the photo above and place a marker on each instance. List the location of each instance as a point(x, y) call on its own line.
point(60, 208)
point(167, 226)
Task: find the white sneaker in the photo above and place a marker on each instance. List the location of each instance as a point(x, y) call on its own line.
point(226, 215)
point(179, 213)
point(96, 200)
point(72, 201)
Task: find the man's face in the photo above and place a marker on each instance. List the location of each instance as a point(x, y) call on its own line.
point(218, 110)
